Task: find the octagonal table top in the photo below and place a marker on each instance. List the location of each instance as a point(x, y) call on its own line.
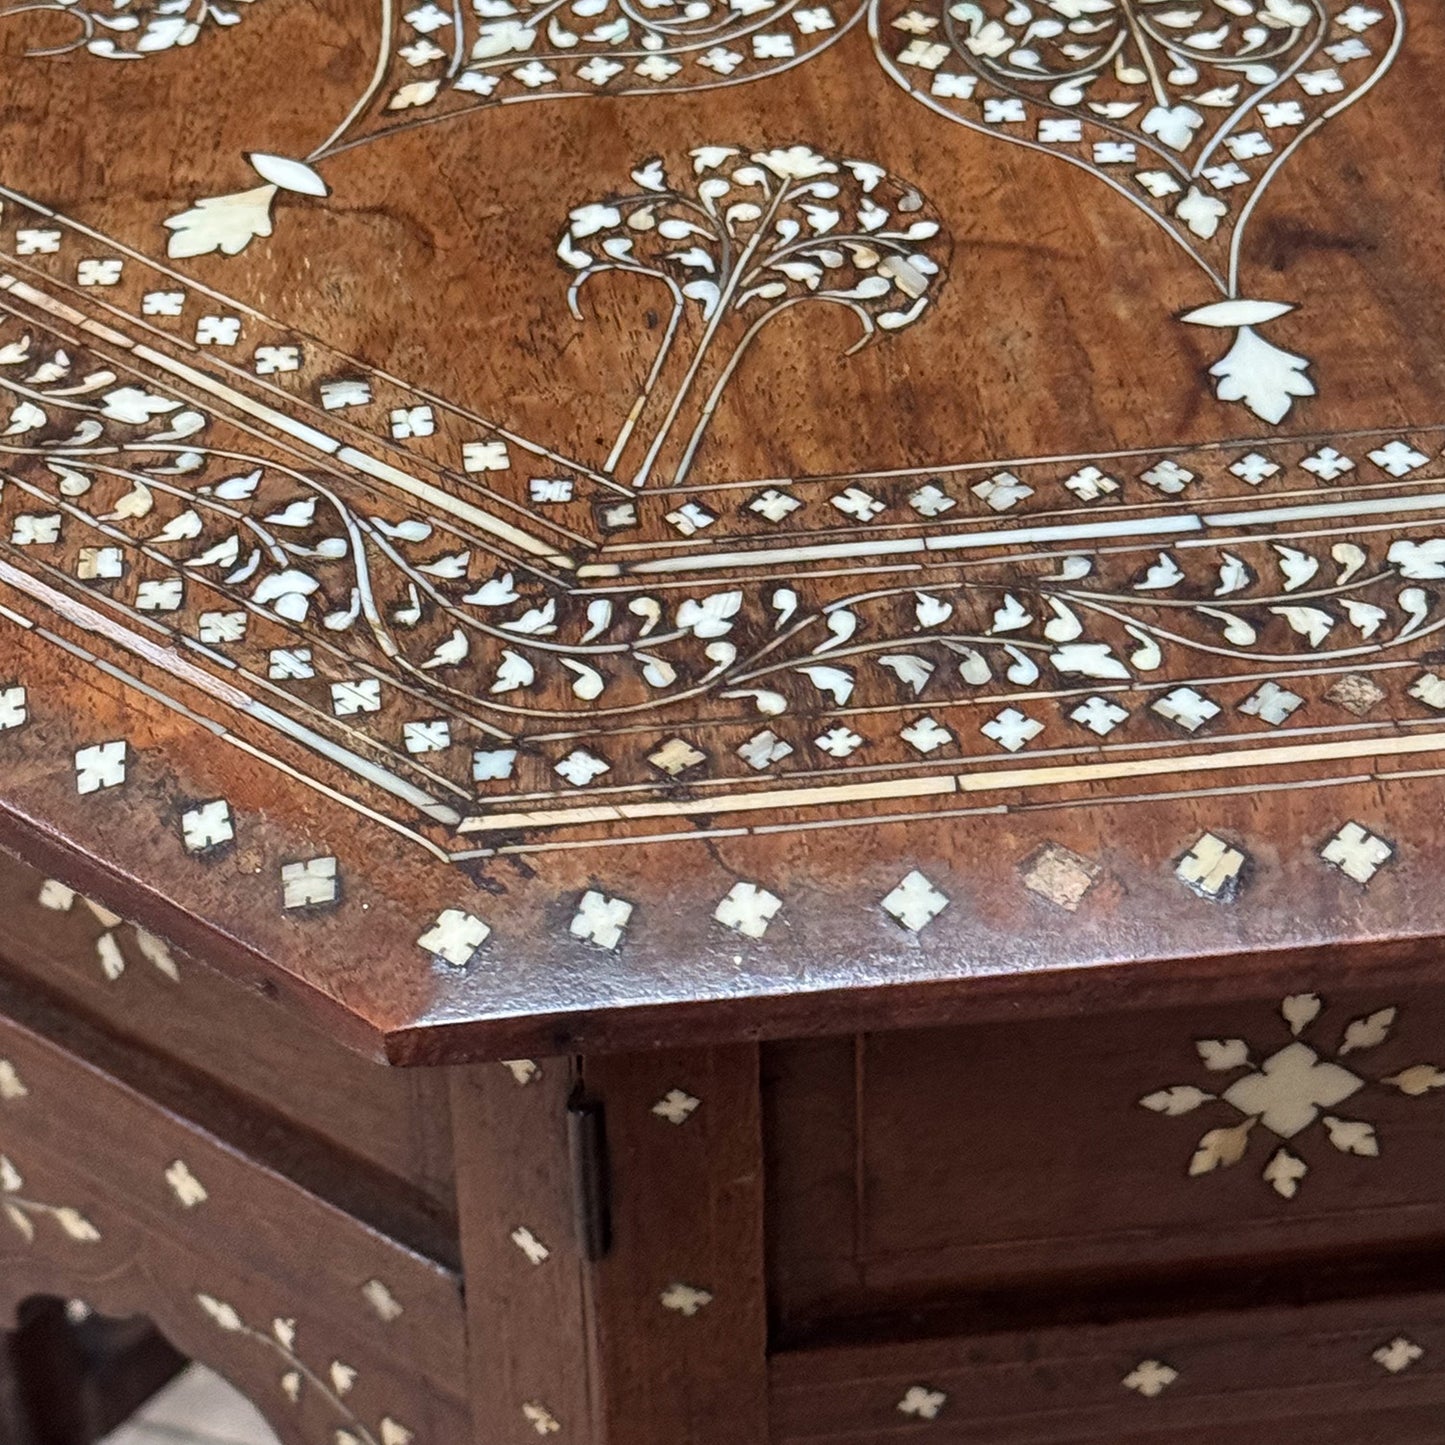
point(584, 523)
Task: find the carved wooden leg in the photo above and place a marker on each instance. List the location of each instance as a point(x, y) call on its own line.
point(43, 1381)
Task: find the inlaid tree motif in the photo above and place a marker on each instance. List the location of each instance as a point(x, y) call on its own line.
point(1188, 108)
point(439, 61)
point(742, 240)
point(1291, 1092)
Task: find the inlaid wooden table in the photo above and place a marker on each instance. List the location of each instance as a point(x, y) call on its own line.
point(832, 648)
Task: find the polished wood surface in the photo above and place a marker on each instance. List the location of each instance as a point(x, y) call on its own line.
point(453, 582)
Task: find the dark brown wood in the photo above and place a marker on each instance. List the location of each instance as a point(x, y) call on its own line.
point(531, 1362)
point(679, 1299)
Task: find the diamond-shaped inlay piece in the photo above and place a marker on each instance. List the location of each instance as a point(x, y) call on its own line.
point(1398, 458)
point(676, 756)
point(1271, 703)
point(931, 500)
point(1012, 729)
point(1002, 491)
point(580, 767)
point(764, 749)
point(1212, 868)
point(926, 735)
point(1168, 476)
point(1290, 1089)
point(1060, 875)
point(685, 1300)
point(855, 502)
point(1356, 693)
point(1254, 468)
point(915, 902)
point(1398, 1355)
point(748, 909)
point(922, 1403)
point(454, 937)
point(774, 505)
point(1150, 1378)
point(1100, 715)
point(1328, 464)
point(1089, 484)
point(310, 884)
point(1187, 708)
point(839, 742)
point(1357, 853)
point(677, 1106)
point(600, 919)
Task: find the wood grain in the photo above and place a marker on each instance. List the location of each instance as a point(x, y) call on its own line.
point(392, 351)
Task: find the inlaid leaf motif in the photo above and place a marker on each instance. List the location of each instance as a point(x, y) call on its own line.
point(1284, 1172)
point(1300, 1010)
point(76, 1225)
point(20, 1220)
point(1369, 1032)
point(1418, 1080)
point(1220, 1055)
point(1180, 1099)
point(1352, 1136)
point(12, 1086)
point(1221, 1148)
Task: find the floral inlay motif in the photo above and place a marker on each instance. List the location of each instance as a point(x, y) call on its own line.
point(1187, 110)
point(23, 1213)
point(1292, 1090)
point(333, 1384)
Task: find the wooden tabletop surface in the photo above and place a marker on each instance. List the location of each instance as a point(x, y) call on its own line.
point(865, 510)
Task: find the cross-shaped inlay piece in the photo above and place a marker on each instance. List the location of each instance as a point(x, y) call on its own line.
point(1150, 1378)
point(207, 826)
point(684, 1300)
point(1099, 715)
point(748, 909)
point(1290, 1088)
point(600, 919)
point(455, 937)
point(1212, 868)
point(14, 712)
point(1357, 853)
point(523, 1071)
point(677, 1107)
point(915, 902)
point(541, 1419)
point(311, 884)
point(100, 766)
point(536, 1252)
point(1398, 1355)
point(189, 1190)
point(922, 1403)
